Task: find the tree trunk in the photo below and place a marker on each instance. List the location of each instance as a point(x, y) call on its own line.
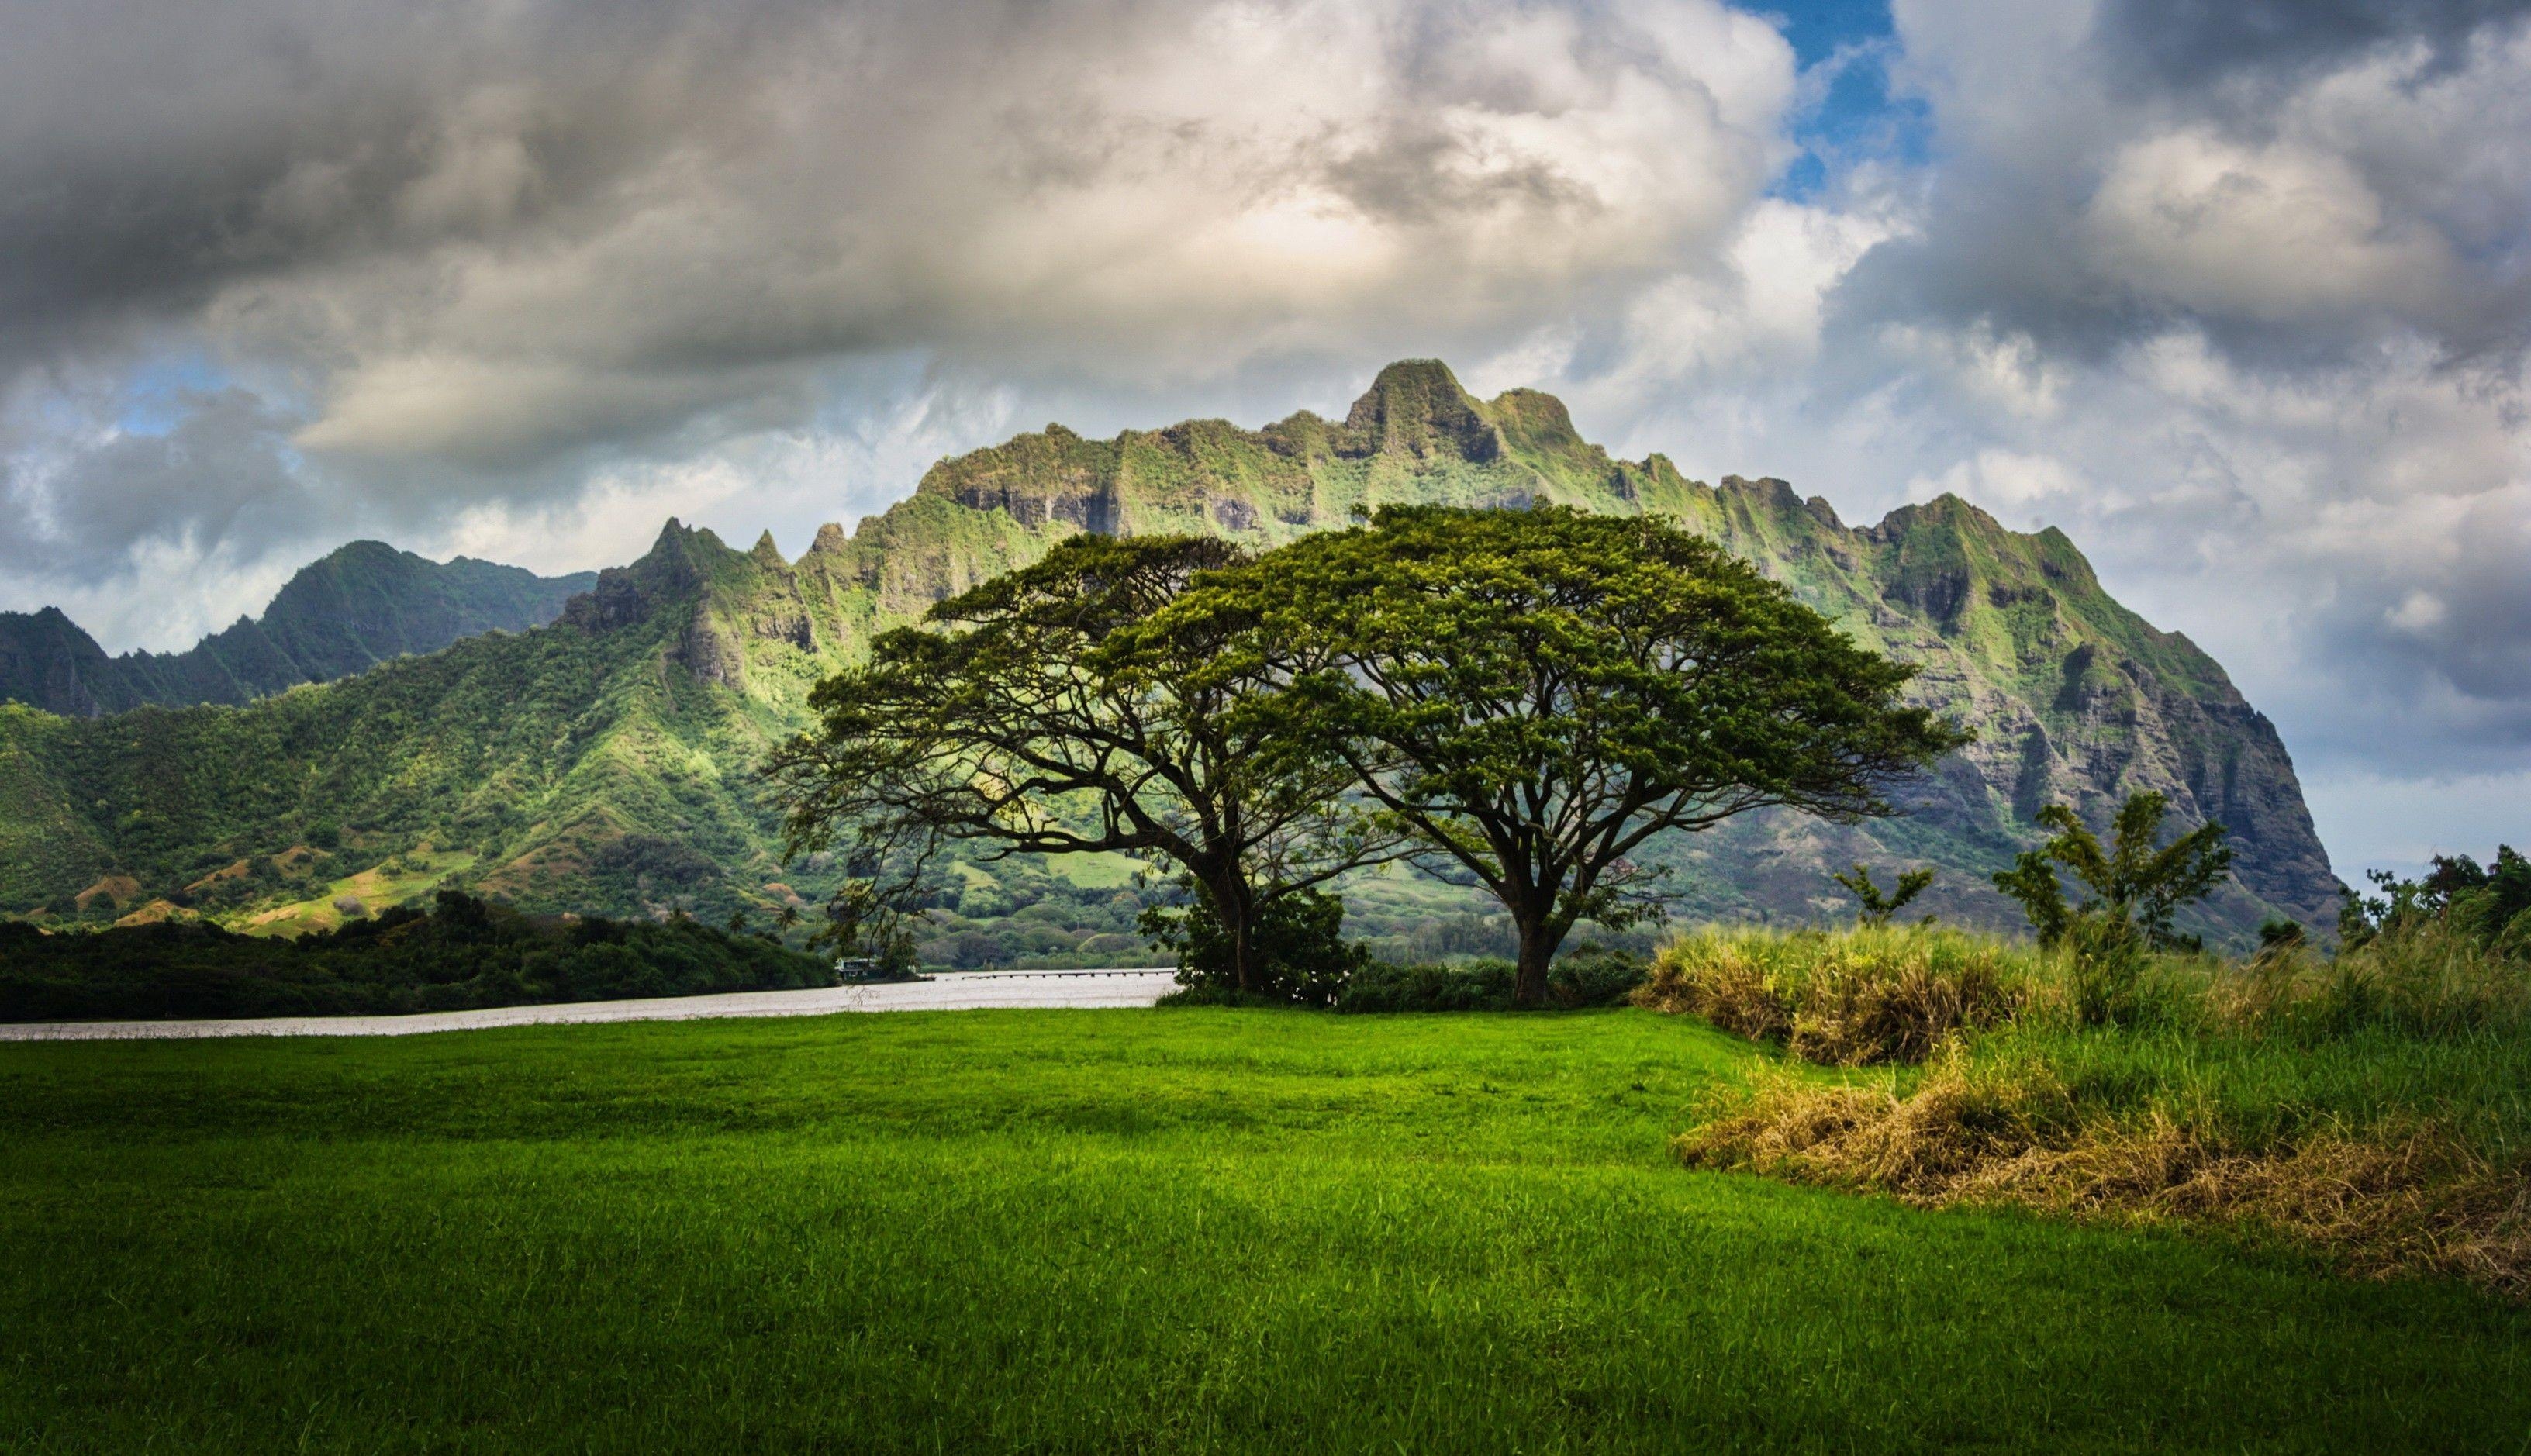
point(1234, 906)
point(1539, 939)
point(1243, 953)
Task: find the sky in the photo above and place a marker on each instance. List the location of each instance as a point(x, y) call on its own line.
point(2237, 293)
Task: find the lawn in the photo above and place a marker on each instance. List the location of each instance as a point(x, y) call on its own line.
point(1102, 1231)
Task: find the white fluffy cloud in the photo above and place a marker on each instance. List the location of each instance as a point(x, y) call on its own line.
point(2278, 233)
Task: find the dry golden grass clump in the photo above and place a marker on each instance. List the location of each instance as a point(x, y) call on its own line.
point(2415, 1199)
point(2370, 1103)
point(1853, 998)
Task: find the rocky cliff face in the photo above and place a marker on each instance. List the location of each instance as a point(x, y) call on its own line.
point(641, 716)
point(356, 608)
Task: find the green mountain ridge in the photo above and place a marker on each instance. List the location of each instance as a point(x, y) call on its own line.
point(343, 614)
point(606, 761)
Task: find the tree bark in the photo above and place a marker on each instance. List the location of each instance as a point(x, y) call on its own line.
point(1234, 906)
point(1243, 951)
point(1539, 940)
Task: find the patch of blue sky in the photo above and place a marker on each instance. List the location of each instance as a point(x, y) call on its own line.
point(162, 392)
point(1847, 114)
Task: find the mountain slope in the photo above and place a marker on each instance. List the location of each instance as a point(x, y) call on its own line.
point(606, 761)
point(344, 614)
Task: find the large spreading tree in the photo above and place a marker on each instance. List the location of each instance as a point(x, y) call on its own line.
point(1018, 719)
point(1535, 693)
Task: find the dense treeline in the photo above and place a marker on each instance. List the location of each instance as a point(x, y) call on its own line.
point(461, 953)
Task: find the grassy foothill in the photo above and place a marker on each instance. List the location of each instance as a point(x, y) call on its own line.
point(1185, 1229)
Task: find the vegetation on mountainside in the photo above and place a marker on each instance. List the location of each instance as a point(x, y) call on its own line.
point(2370, 1102)
point(1099, 1231)
point(606, 762)
point(460, 954)
point(360, 605)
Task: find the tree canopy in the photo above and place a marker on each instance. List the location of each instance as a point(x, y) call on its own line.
point(1881, 906)
point(1534, 693)
point(1021, 718)
point(2133, 884)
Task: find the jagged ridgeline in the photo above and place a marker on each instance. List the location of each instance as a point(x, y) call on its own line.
point(356, 608)
point(607, 762)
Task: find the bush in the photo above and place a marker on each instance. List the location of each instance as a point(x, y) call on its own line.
point(1593, 975)
point(2422, 978)
point(1846, 999)
point(1479, 985)
point(1299, 945)
point(1211, 993)
point(2368, 1104)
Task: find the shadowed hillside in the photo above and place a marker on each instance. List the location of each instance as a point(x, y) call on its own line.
point(346, 613)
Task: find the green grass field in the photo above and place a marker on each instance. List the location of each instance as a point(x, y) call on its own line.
point(1102, 1231)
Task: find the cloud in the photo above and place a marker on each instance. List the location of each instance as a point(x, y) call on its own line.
point(559, 223)
point(221, 469)
point(2192, 45)
point(2275, 233)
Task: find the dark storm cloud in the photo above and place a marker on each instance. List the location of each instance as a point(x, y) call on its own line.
point(2464, 625)
point(2122, 180)
point(159, 149)
point(2186, 45)
point(220, 472)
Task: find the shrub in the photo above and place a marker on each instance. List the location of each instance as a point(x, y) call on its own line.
point(1301, 954)
point(2423, 979)
point(1880, 906)
point(1213, 993)
point(2132, 884)
point(1595, 974)
point(2491, 906)
point(1479, 985)
point(1847, 998)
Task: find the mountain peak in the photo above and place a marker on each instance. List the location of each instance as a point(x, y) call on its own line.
point(1417, 407)
point(349, 610)
point(360, 551)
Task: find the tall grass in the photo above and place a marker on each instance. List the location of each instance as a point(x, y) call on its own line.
point(1855, 998)
point(2377, 1103)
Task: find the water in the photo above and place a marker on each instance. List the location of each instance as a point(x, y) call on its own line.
point(956, 991)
